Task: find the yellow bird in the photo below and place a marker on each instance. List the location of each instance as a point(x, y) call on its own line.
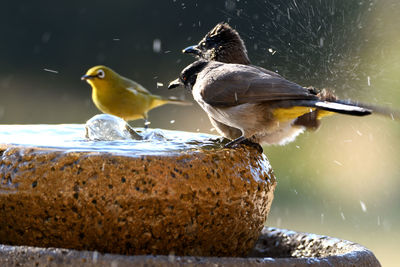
point(119, 96)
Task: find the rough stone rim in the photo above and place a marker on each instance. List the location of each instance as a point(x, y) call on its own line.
point(344, 253)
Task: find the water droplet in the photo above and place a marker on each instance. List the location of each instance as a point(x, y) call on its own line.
point(157, 45)
point(363, 206)
point(230, 5)
point(46, 37)
point(52, 71)
point(278, 222)
point(338, 163)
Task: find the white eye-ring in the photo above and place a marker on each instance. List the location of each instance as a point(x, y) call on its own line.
point(101, 74)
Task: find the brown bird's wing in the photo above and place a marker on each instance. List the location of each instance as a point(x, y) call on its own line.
point(233, 84)
point(272, 73)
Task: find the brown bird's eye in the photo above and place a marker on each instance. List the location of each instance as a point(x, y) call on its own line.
point(184, 78)
point(101, 74)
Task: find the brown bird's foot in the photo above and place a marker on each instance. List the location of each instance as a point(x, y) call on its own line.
point(245, 141)
point(257, 146)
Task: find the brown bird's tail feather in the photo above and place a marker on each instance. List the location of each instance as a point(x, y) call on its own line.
point(394, 114)
point(312, 120)
point(328, 96)
point(336, 106)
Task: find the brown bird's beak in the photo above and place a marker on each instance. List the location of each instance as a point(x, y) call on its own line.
point(175, 83)
point(87, 77)
point(194, 49)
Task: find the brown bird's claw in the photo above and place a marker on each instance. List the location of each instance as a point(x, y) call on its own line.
point(254, 145)
point(243, 140)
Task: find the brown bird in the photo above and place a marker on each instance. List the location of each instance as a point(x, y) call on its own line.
point(263, 107)
point(224, 44)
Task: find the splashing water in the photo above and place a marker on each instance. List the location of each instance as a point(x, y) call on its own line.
point(315, 42)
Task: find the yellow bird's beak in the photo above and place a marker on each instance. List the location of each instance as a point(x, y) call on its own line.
point(88, 77)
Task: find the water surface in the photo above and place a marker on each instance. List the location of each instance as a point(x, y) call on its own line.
point(71, 137)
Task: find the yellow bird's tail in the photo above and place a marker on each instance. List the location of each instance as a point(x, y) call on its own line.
point(159, 101)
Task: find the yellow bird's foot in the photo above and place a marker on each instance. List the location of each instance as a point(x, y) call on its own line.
point(146, 124)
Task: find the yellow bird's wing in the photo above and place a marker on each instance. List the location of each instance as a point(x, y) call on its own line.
point(146, 96)
point(134, 87)
point(137, 90)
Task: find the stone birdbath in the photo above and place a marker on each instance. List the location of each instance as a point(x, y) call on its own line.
point(104, 193)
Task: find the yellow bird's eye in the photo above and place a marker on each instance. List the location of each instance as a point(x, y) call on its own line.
point(101, 74)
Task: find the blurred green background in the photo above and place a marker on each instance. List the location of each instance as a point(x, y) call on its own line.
point(341, 181)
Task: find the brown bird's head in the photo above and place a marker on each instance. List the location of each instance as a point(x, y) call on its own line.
point(221, 44)
point(188, 76)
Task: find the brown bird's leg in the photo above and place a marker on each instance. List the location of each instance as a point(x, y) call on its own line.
point(245, 141)
point(235, 142)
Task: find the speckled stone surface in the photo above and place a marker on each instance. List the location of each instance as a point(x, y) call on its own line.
point(196, 202)
point(275, 248)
